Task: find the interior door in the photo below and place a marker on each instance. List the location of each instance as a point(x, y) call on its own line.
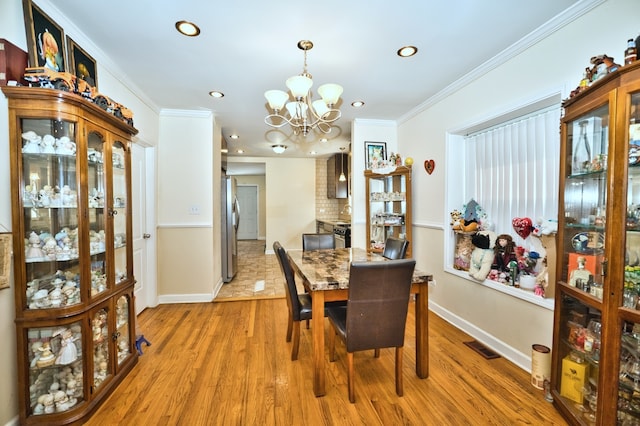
point(248, 200)
point(144, 264)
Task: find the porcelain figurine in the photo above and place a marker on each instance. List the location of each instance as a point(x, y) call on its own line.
point(47, 358)
point(48, 403)
point(48, 144)
point(68, 351)
point(32, 145)
point(64, 146)
point(34, 251)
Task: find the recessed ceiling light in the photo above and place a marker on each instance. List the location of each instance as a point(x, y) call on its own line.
point(216, 94)
point(324, 140)
point(187, 28)
point(234, 136)
point(240, 151)
point(357, 104)
point(313, 153)
point(224, 150)
point(407, 51)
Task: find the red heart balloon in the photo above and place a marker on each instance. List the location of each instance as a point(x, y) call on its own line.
point(429, 166)
point(523, 226)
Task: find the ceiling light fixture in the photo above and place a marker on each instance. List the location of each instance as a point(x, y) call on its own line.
point(357, 104)
point(234, 136)
point(278, 149)
point(342, 177)
point(187, 28)
point(304, 115)
point(407, 51)
point(216, 94)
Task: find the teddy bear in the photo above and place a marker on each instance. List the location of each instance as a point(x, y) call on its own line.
point(545, 227)
point(482, 255)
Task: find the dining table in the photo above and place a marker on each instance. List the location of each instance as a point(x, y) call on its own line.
point(325, 275)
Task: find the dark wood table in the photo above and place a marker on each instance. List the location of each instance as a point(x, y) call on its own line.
point(325, 274)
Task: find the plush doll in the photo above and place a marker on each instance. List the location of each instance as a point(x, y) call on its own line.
point(482, 255)
point(504, 252)
point(545, 227)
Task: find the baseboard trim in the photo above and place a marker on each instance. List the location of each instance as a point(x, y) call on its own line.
point(185, 298)
point(518, 358)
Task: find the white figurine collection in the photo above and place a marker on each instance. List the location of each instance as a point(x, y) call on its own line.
point(47, 247)
point(60, 290)
point(47, 144)
point(56, 370)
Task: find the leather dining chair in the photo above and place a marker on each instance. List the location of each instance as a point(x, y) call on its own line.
point(395, 248)
point(299, 304)
point(318, 241)
point(376, 313)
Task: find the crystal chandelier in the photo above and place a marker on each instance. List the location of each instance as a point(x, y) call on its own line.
point(302, 114)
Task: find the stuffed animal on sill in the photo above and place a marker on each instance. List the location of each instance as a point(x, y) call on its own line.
point(482, 255)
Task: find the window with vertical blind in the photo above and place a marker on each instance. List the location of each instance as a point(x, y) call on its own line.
point(511, 169)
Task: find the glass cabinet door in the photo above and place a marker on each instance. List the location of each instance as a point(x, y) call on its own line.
point(629, 376)
point(119, 211)
point(50, 204)
point(585, 199)
point(55, 368)
point(96, 184)
point(100, 337)
point(123, 344)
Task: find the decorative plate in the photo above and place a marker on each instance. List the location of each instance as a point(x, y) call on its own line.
point(588, 241)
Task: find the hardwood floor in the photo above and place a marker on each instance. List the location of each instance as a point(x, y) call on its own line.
point(229, 364)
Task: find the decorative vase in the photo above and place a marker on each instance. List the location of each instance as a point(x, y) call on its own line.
point(527, 282)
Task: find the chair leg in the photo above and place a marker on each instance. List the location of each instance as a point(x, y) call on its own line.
point(289, 327)
point(399, 389)
point(376, 353)
point(296, 340)
point(350, 378)
point(307, 324)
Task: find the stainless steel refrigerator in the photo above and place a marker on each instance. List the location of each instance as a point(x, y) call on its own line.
point(230, 221)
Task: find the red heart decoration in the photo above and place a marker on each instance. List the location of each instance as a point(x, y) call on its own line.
point(523, 226)
point(429, 166)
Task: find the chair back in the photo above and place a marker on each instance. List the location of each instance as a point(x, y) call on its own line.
point(395, 248)
point(378, 303)
point(318, 241)
point(290, 281)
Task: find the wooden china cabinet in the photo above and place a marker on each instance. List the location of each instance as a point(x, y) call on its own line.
point(595, 375)
point(73, 269)
point(388, 207)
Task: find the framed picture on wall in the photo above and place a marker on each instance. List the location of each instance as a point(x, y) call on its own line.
point(6, 245)
point(375, 153)
point(45, 39)
point(81, 64)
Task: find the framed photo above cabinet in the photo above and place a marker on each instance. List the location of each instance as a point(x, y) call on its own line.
point(73, 254)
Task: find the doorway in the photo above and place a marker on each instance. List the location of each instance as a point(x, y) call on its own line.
point(248, 201)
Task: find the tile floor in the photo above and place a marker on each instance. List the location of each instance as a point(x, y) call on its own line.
point(258, 277)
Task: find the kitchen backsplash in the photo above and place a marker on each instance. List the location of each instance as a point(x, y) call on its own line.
point(327, 208)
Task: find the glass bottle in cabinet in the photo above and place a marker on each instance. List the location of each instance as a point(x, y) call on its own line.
point(595, 375)
point(73, 274)
point(388, 207)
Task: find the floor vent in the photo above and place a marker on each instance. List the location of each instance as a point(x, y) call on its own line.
point(482, 349)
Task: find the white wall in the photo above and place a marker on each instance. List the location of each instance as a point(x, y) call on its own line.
point(555, 64)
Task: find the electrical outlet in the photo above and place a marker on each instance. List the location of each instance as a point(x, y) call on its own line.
point(195, 210)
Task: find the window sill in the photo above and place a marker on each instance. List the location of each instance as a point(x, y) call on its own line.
point(526, 295)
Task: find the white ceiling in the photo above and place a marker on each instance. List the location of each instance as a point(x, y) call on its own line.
point(249, 46)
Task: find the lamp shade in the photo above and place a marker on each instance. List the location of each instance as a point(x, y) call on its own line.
point(299, 86)
point(330, 93)
point(276, 98)
point(297, 110)
point(320, 107)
